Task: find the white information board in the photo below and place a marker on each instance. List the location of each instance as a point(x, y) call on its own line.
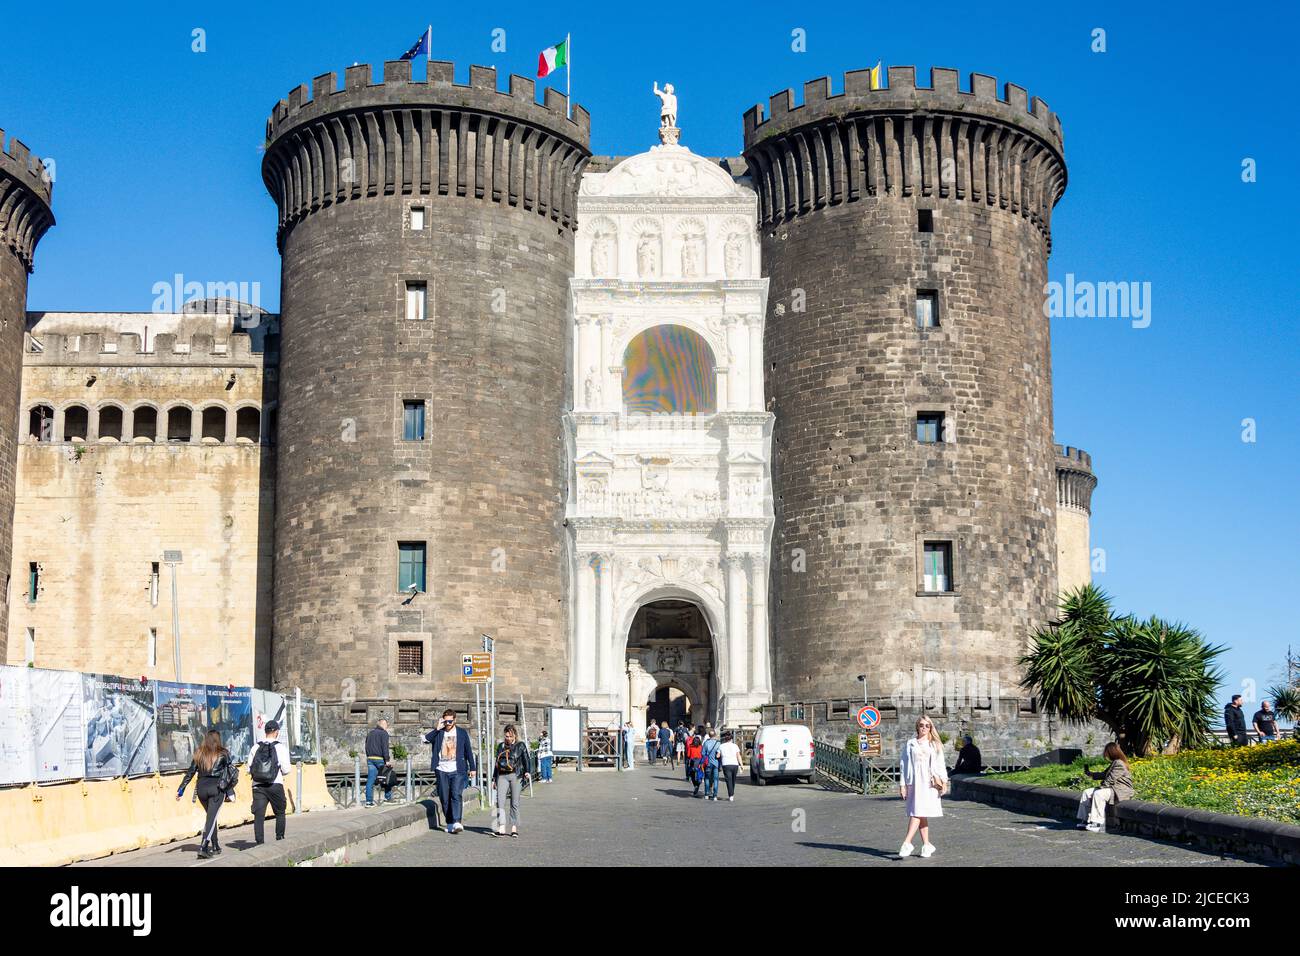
point(566, 731)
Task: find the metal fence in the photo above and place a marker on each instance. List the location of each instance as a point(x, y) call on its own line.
point(879, 774)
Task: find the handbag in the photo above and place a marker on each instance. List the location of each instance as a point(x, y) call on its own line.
point(229, 777)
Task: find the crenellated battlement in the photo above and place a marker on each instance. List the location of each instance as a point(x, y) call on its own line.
point(25, 195)
point(328, 145)
point(1075, 480)
point(906, 141)
point(127, 349)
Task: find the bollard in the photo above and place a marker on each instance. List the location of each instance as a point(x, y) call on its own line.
point(356, 781)
point(410, 786)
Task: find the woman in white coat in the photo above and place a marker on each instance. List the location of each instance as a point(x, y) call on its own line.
point(922, 780)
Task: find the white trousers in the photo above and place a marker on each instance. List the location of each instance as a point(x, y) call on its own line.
point(1092, 805)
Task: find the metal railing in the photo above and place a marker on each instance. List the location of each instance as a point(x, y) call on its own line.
point(879, 774)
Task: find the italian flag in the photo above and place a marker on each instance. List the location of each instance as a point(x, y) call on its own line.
point(553, 58)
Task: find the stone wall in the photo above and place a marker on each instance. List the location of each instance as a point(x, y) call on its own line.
point(95, 513)
point(495, 175)
point(1074, 486)
point(842, 184)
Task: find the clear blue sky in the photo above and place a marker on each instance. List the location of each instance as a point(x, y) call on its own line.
point(157, 152)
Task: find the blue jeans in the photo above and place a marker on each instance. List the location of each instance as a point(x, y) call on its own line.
point(450, 787)
point(546, 767)
point(373, 766)
point(650, 751)
point(711, 781)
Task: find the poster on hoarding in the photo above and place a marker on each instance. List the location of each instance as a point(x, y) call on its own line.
point(305, 744)
point(230, 713)
point(57, 743)
point(16, 762)
point(268, 705)
point(120, 737)
point(182, 716)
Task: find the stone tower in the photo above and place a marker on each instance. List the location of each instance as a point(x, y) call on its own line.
point(1075, 482)
point(426, 232)
point(25, 189)
point(906, 233)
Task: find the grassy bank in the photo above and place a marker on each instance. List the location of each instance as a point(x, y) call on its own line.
point(1261, 781)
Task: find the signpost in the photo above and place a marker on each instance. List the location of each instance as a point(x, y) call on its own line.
point(869, 744)
point(868, 717)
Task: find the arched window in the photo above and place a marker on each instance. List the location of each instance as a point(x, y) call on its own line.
point(248, 425)
point(110, 423)
point(40, 423)
point(669, 369)
point(178, 424)
point(214, 424)
point(76, 423)
point(144, 424)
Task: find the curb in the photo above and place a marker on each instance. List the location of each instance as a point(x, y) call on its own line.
point(1252, 837)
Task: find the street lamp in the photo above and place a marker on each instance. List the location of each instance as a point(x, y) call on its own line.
point(171, 559)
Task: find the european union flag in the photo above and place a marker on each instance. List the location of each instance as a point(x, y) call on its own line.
point(422, 45)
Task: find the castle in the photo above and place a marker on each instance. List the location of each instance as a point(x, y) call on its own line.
point(683, 435)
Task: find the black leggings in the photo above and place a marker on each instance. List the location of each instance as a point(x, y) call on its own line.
point(729, 771)
point(211, 797)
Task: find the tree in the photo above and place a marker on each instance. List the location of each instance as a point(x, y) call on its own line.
point(1152, 682)
point(1286, 702)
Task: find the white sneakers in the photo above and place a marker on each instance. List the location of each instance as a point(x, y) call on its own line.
point(927, 850)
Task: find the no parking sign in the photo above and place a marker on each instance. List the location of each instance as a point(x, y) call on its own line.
point(868, 716)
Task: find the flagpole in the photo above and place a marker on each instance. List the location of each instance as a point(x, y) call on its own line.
point(428, 51)
point(568, 75)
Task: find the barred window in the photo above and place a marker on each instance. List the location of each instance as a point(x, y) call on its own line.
point(410, 658)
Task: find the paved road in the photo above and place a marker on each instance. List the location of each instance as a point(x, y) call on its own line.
point(648, 817)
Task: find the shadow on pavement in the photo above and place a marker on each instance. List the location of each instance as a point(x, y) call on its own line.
point(846, 848)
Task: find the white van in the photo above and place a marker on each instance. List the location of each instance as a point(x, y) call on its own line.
point(781, 750)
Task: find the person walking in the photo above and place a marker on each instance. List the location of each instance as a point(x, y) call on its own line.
point(679, 746)
point(629, 744)
point(922, 780)
point(211, 764)
point(666, 749)
point(729, 756)
point(651, 743)
point(1265, 721)
point(453, 762)
point(693, 774)
point(510, 769)
point(379, 757)
point(269, 767)
point(1116, 785)
point(709, 765)
point(545, 758)
point(1234, 721)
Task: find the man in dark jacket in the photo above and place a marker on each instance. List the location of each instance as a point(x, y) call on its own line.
point(453, 762)
point(1235, 722)
point(969, 759)
point(379, 757)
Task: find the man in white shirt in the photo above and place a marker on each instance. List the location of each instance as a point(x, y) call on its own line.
point(729, 753)
point(272, 793)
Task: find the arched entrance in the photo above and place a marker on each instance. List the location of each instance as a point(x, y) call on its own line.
point(670, 664)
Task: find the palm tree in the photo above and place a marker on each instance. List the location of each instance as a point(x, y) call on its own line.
point(1286, 702)
point(1151, 682)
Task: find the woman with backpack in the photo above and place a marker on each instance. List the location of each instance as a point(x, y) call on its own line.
point(922, 780)
point(217, 777)
point(709, 762)
point(693, 773)
point(509, 770)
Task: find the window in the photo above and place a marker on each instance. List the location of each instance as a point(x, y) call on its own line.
point(410, 565)
point(937, 572)
point(33, 582)
point(413, 421)
point(144, 424)
point(410, 658)
point(153, 585)
point(110, 423)
point(40, 426)
point(416, 301)
point(929, 427)
point(76, 423)
point(925, 220)
point(248, 425)
point(214, 424)
point(178, 424)
point(31, 646)
point(417, 218)
point(927, 309)
point(153, 647)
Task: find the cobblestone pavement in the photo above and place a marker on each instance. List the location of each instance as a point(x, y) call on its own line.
point(648, 817)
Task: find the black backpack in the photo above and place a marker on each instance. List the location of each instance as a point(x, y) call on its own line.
point(265, 766)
